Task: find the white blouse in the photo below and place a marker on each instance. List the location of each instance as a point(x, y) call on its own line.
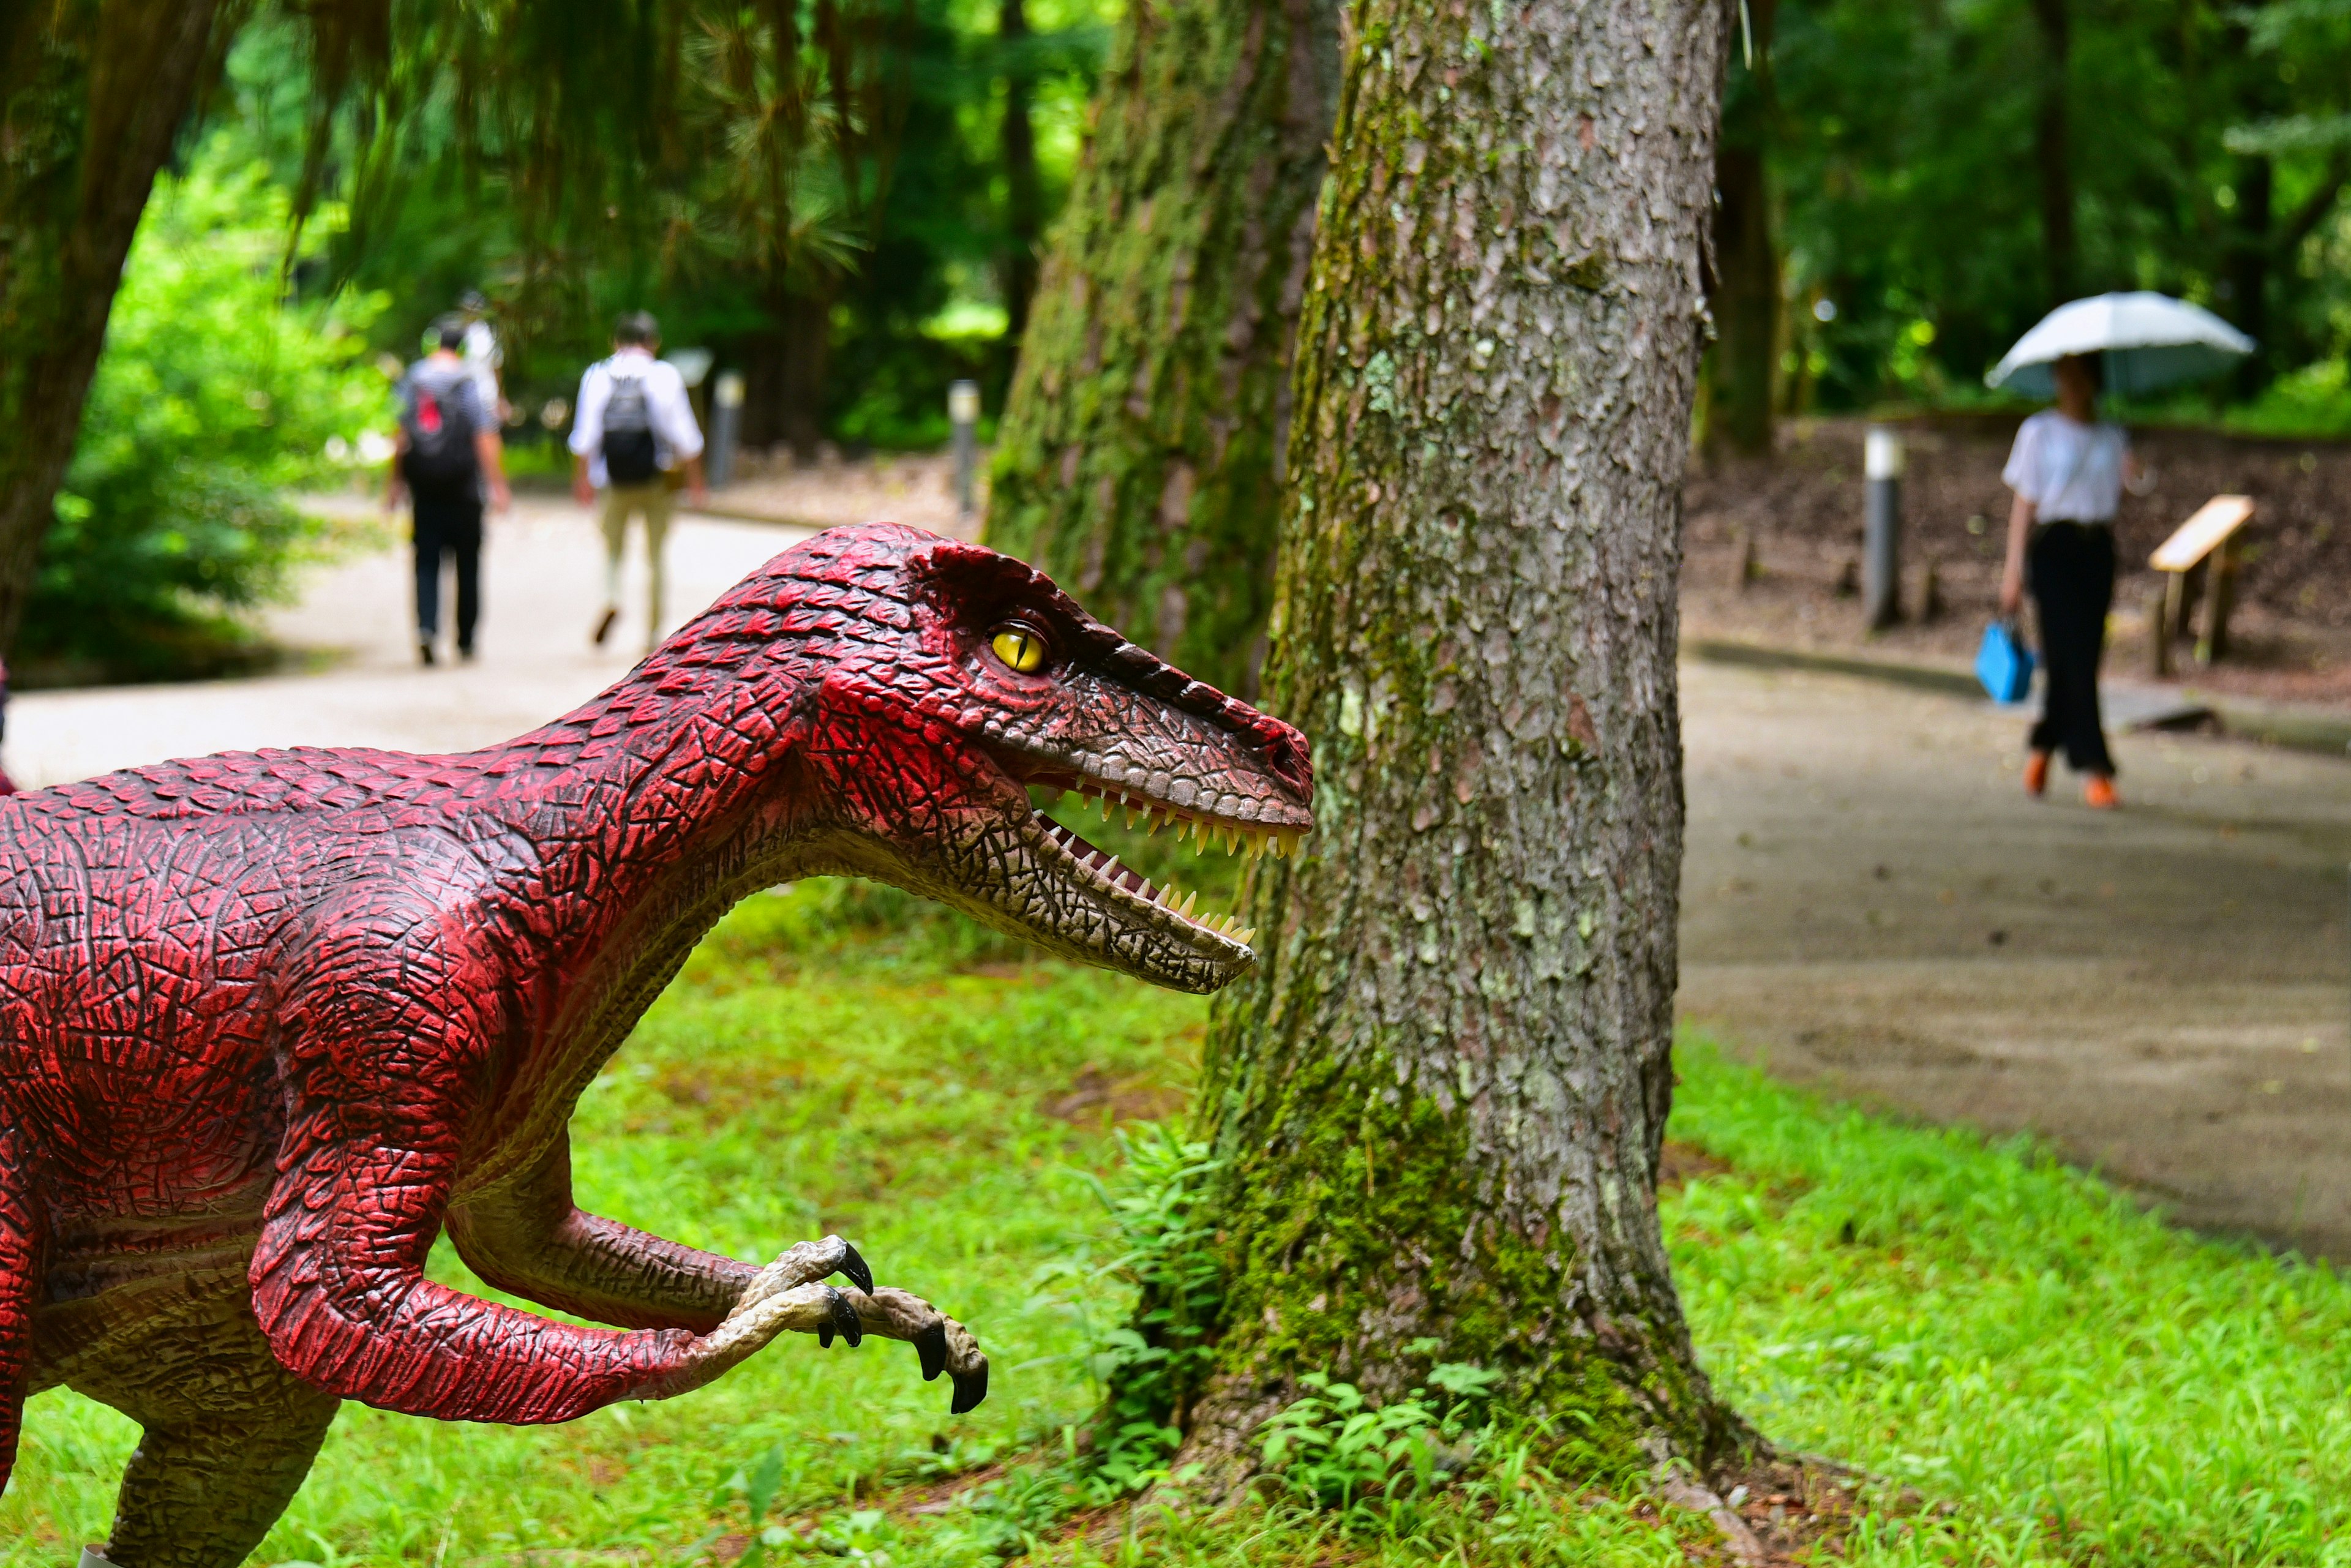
point(2071, 472)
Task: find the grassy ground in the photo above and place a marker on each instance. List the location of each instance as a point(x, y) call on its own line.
point(2063, 1378)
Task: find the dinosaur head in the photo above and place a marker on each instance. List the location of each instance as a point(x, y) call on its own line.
point(946, 679)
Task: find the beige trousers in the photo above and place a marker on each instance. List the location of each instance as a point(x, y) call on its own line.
point(654, 502)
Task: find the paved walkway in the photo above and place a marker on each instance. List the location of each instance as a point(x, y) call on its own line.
point(542, 571)
point(1870, 903)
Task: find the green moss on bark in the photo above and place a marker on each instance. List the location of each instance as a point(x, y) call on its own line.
point(1140, 458)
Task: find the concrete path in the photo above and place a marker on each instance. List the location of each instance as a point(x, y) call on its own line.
point(543, 575)
point(1870, 901)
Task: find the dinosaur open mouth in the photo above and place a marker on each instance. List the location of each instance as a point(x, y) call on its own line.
point(1206, 831)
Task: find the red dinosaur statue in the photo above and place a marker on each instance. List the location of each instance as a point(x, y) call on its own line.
point(269, 1021)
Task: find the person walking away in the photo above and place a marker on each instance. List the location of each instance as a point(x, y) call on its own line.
point(633, 438)
point(446, 452)
point(2067, 469)
point(483, 354)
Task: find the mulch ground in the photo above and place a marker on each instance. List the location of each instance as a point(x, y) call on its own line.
point(2291, 633)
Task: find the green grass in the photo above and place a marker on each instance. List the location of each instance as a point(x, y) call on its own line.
point(2076, 1381)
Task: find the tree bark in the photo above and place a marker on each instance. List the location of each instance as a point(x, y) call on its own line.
point(1024, 196)
point(2052, 154)
point(1743, 294)
point(92, 94)
point(1143, 439)
point(1440, 1100)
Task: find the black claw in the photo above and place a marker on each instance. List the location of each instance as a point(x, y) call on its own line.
point(854, 1267)
point(844, 1318)
point(970, 1388)
point(824, 1335)
point(931, 1344)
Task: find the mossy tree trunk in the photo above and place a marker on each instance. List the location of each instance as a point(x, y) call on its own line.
point(92, 94)
point(1440, 1101)
point(1140, 455)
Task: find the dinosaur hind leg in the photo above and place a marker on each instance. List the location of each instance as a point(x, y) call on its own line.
point(228, 1436)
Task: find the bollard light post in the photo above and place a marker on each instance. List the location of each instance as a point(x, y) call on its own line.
point(1881, 551)
point(726, 423)
point(963, 412)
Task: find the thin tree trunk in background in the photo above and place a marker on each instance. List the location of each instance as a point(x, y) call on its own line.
point(1744, 292)
point(805, 355)
point(2052, 154)
point(1024, 196)
point(1440, 1100)
point(1139, 457)
point(92, 94)
point(2252, 250)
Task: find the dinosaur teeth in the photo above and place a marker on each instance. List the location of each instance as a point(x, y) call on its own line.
point(1186, 909)
point(1110, 869)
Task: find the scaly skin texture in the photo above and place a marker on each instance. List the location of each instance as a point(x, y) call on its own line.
point(269, 1021)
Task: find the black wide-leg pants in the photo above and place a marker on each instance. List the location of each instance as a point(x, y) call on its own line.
point(2072, 570)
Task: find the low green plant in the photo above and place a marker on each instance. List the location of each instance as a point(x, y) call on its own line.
point(214, 395)
point(1150, 1362)
point(1335, 1449)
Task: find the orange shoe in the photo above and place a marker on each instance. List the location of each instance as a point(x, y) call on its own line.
point(2036, 773)
point(2098, 793)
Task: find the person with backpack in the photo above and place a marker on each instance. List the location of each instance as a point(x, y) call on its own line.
point(446, 453)
point(634, 439)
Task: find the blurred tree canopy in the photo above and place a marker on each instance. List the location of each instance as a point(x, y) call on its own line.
point(1944, 172)
point(841, 198)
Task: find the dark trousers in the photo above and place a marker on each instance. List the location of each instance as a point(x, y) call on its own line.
point(2072, 569)
point(456, 527)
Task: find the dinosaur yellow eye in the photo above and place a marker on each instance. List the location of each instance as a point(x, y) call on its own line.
point(1021, 647)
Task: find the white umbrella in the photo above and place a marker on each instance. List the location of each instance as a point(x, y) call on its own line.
point(2150, 340)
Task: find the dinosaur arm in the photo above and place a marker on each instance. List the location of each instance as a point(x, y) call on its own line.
point(386, 1029)
point(338, 1287)
point(528, 1238)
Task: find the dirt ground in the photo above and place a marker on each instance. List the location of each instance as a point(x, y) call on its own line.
point(2291, 633)
point(1870, 903)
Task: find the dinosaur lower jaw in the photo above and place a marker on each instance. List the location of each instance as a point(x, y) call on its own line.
point(1102, 867)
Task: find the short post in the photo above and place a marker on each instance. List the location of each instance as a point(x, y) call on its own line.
point(1881, 576)
point(725, 424)
point(2159, 611)
point(963, 413)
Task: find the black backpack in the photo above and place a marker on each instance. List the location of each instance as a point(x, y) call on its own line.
point(438, 415)
point(629, 455)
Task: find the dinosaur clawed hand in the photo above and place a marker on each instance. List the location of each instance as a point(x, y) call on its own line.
point(790, 1295)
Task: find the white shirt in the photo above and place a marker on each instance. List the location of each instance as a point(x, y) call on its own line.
point(482, 356)
point(677, 437)
point(2071, 472)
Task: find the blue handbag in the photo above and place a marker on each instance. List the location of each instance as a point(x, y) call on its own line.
point(2004, 665)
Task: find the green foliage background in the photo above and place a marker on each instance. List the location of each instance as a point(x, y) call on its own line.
point(214, 397)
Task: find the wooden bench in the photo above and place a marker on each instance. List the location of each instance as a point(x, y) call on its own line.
point(2199, 561)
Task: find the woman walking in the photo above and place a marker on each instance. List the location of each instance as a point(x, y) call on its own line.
point(2068, 470)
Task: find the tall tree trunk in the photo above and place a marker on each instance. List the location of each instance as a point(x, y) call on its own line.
point(2052, 156)
point(91, 95)
point(1144, 436)
point(1024, 197)
point(1440, 1101)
